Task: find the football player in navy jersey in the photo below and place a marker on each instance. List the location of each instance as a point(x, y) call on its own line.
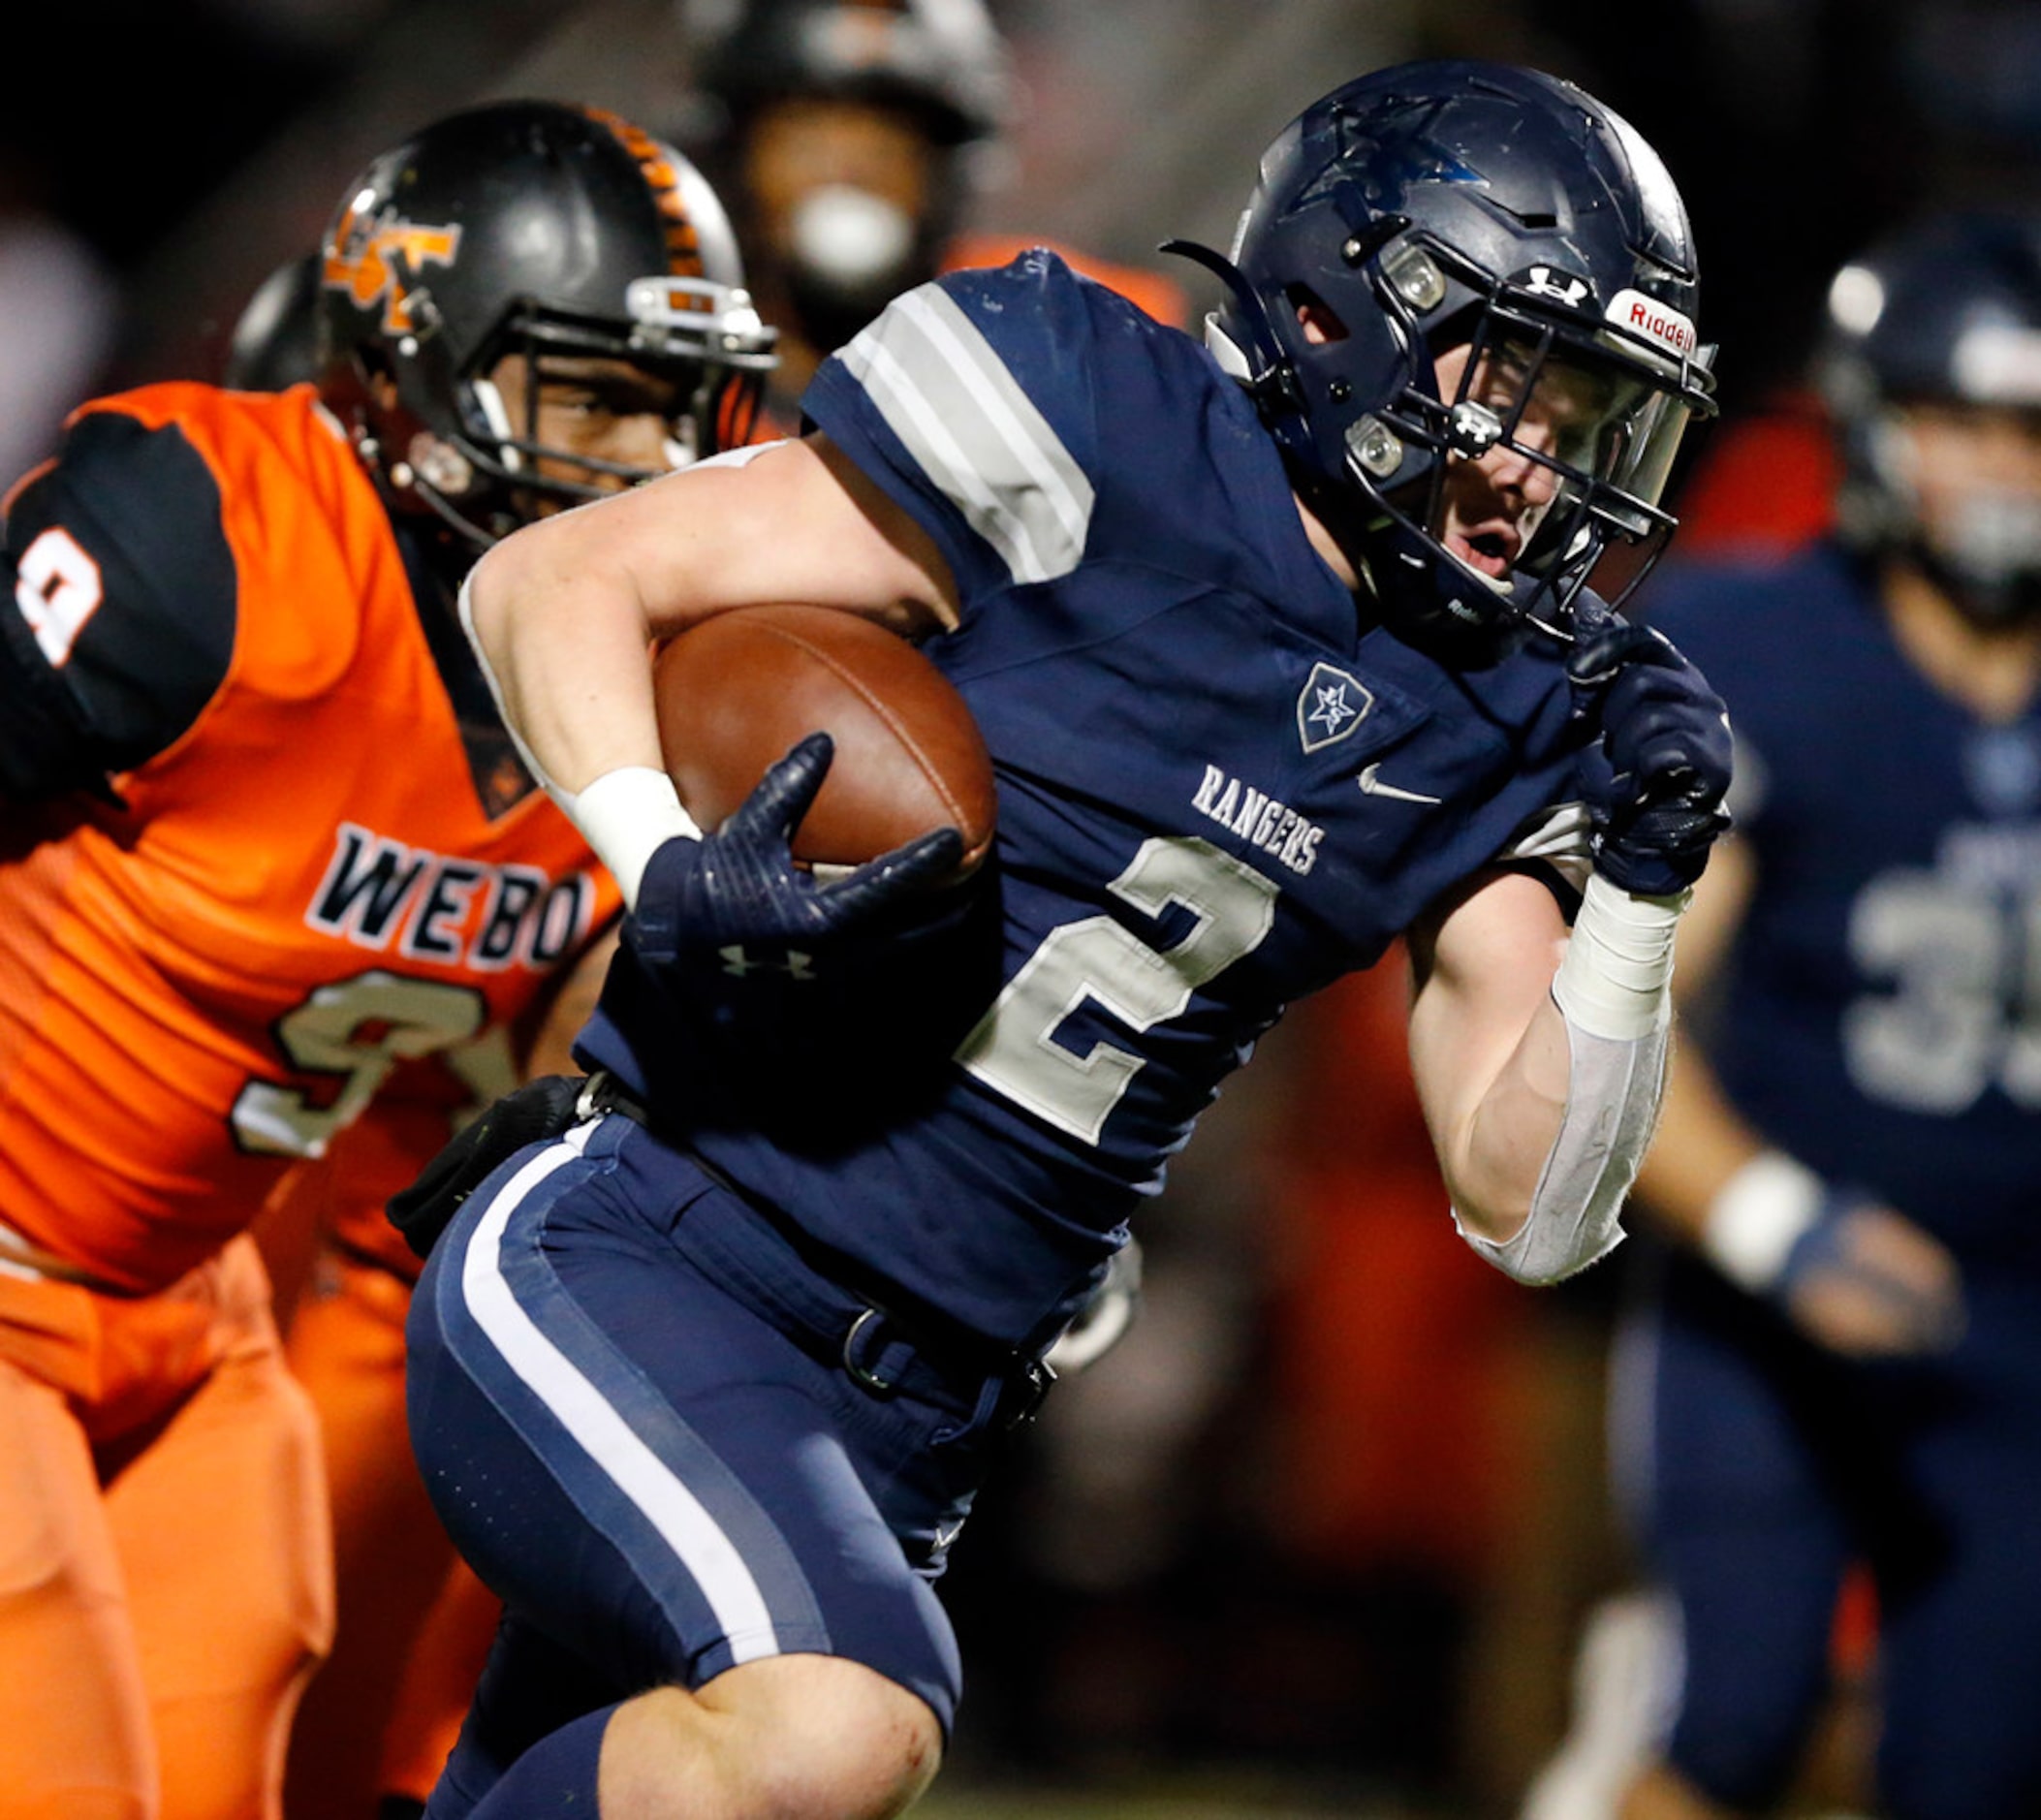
point(1838, 1367)
point(1282, 646)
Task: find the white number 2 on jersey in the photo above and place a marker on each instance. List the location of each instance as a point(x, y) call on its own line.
point(1014, 1048)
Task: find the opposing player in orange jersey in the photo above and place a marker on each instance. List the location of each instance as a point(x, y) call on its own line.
point(271, 868)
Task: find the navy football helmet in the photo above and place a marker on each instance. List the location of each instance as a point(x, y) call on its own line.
point(527, 229)
point(1455, 203)
point(1944, 311)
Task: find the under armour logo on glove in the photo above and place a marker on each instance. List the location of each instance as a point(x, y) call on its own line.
point(796, 966)
point(1654, 776)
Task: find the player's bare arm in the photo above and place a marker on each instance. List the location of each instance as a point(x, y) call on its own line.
point(1542, 1081)
point(1487, 1047)
point(565, 615)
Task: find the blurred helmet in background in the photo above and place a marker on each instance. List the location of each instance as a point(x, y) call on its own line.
point(276, 340)
point(1943, 313)
point(850, 136)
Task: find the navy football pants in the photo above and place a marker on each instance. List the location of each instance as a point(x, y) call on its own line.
point(1764, 1467)
point(622, 1428)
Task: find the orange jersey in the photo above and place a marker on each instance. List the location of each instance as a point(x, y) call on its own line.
point(304, 888)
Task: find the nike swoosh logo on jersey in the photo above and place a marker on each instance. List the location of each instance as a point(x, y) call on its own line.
point(1372, 785)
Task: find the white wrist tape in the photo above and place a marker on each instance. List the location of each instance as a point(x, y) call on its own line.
point(1613, 977)
point(1613, 1093)
point(1756, 1218)
point(626, 815)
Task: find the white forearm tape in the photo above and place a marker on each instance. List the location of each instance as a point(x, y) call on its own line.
point(1611, 1106)
point(1612, 990)
point(1613, 978)
point(1757, 1216)
point(626, 815)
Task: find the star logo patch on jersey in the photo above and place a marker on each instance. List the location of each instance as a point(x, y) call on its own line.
point(1332, 706)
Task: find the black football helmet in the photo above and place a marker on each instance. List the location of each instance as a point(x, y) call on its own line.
point(939, 66)
point(1449, 203)
point(1945, 310)
point(532, 229)
point(275, 339)
point(942, 60)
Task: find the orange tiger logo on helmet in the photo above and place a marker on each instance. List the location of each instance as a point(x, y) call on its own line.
point(371, 257)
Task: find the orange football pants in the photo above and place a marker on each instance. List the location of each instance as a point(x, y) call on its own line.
point(165, 1553)
point(414, 1623)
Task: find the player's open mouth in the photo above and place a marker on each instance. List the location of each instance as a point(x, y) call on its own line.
point(1488, 552)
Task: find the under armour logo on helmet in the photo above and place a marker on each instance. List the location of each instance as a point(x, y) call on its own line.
point(1544, 281)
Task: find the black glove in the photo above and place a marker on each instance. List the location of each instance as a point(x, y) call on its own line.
point(1656, 772)
point(540, 1108)
point(735, 903)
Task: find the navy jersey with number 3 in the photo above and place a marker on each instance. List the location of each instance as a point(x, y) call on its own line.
point(1216, 791)
point(1883, 992)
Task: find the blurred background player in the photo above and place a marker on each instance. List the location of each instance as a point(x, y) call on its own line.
point(272, 863)
point(1836, 1367)
point(276, 343)
point(851, 139)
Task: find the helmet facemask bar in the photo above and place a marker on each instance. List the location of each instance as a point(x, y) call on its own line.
point(702, 338)
point(1597, 407)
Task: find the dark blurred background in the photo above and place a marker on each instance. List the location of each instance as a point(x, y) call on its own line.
point(1332, 1514)
point(189, 145)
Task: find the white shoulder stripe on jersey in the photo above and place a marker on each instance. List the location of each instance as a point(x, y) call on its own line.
point(709, 1557)
point(950, 398)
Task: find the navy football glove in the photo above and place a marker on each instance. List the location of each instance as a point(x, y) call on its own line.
point(1656, 774)
point(735, 903)
point(1865, 1281)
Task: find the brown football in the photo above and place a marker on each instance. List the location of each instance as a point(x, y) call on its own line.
point(739, 690)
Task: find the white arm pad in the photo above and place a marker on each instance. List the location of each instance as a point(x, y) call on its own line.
point(1612, 990)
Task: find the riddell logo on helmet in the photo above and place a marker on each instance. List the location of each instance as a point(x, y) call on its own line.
point(380, 257)
point(683, 247)
point(1654, 321)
